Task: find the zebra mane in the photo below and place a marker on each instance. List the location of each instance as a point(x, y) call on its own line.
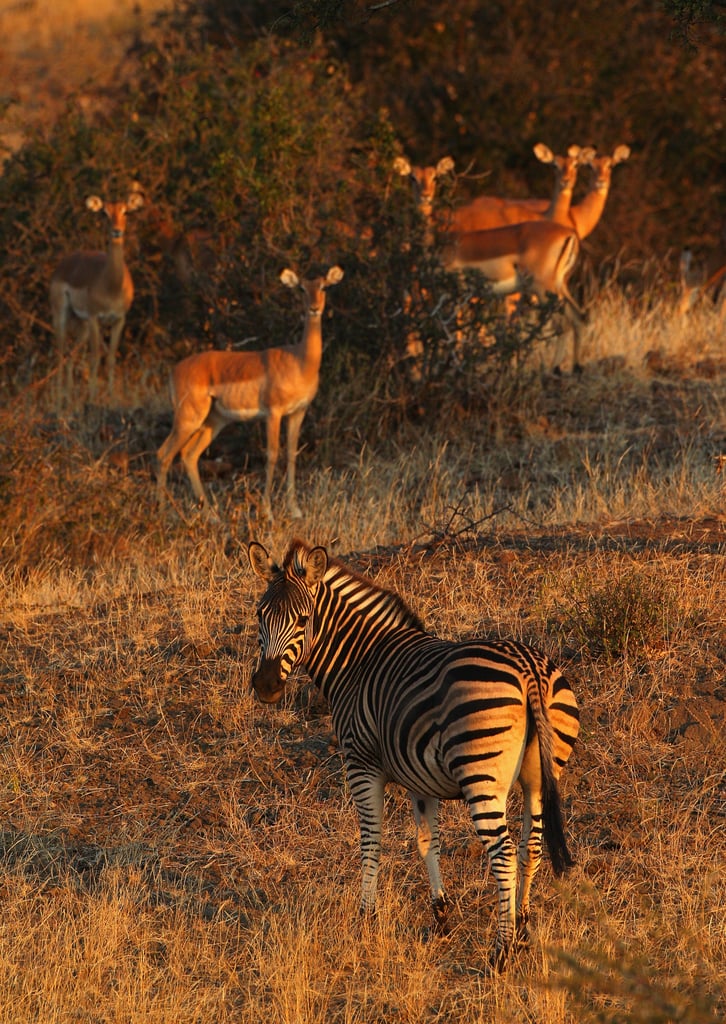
point(339, 571)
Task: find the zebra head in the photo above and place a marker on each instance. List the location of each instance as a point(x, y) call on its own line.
point(284, 613)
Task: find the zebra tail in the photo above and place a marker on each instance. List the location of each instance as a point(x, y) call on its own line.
point(552, 820)
point(554, 826)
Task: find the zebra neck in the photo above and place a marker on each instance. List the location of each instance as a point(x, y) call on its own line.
point(355, 622)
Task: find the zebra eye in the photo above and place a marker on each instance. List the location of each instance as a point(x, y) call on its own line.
point(302, 620)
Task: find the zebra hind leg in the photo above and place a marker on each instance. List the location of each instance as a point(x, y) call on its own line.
point(426, 816)
point(530, 845)
point(488, 812)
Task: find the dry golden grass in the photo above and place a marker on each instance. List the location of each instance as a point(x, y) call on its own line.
point(172, 851)
point(52, 51)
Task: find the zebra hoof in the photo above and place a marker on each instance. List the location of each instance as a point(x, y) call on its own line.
point(441, 907)
point(499, 960)
point(523, 935)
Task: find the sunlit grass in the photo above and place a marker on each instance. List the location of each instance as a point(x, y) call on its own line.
point(173, 851)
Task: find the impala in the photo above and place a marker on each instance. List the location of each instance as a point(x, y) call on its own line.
point(704, 277)
point(95, 287)
point(192, 252)
point(212, 389)
point(535, 256)
point(487, 212)
point(493, 212)
point(423, 181)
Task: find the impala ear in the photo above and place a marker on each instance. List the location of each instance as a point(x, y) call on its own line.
point(289, 278)
point(621, 153)
point(402, 165)
point(444, 165)
point(575, 151)
point(544, 154)
point(316, 564)
point(135, 201)
point(587, 155)
point(334, 275)
point(94, 203)
point(260, 561)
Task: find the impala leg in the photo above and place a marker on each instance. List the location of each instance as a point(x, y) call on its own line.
point(81, 345)
point(94, 331)
point(273, 449)
point(60, 327)
point(294, 422)
point(193, 448)
point(164, 458)
point(576, 317)
point(184, 436)
point(426, 816)
point(113, 344)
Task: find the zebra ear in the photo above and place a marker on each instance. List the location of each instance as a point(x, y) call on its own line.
point(260, 561)
point(315, 565)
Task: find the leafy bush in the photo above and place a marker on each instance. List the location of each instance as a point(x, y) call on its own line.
point(251, 160)
point(623, 616)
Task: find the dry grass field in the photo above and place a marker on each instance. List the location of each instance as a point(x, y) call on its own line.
point(50, 51)
point(172, 851)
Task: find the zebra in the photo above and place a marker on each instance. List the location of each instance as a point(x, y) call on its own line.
point(444, 719)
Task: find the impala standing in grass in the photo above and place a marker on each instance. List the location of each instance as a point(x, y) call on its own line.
point(705, 277)
point(95, 287)
point(212, 389)
point(537, 256)
point(443, 719)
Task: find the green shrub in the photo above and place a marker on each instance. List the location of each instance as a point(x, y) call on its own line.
point(620, 617)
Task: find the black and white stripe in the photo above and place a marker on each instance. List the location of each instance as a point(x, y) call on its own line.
point(443, 719)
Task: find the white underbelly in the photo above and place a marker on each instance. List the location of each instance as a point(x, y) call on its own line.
point(235, 415)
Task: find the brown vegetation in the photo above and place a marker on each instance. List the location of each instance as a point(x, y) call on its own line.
point(169, 849)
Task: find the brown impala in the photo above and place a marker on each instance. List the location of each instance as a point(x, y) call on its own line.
point(95, 287)
point(212, 389)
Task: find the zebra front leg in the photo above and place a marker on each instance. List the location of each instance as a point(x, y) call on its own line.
point(367, 792)
point(426, 816)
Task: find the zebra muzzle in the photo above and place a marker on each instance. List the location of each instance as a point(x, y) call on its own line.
point(267, 682)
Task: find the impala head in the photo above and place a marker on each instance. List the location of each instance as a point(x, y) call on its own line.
point(313, 289)
point(566, 165)
point(423, 180)
point(284, 613)
point(603, 165)
point(116, 212)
